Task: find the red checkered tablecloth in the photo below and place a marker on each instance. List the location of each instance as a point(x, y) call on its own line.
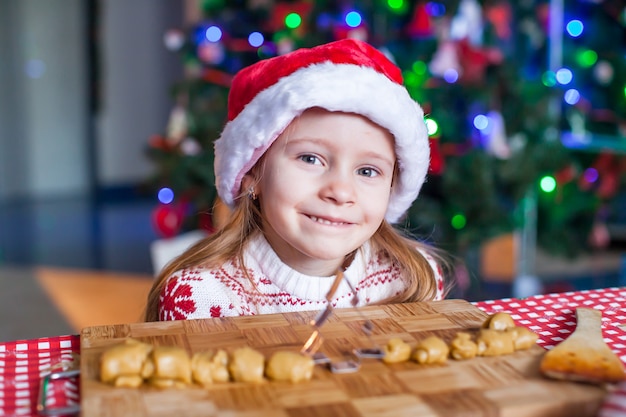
point(553, 316)
point(22, 365)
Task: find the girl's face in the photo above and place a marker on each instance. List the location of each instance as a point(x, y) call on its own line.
point(324, 188)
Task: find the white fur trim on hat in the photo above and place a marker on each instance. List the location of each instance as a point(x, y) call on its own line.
point(334, 87)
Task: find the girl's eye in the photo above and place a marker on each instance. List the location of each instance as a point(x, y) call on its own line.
point(310, 159)
point(368, 172)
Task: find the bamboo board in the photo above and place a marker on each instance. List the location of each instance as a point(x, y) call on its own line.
point(509, 385)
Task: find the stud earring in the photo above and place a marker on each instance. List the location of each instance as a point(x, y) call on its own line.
point(252, 194)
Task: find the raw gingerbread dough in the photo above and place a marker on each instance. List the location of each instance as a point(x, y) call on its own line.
point(396, 350)
point(499, 321)
point(431, 350)
point(209, 367)
point(523, 338)
point(172, 367)
point(126, 364)
point(289, 366)
point(247, 365)
point(494, 342)
point(463, 347)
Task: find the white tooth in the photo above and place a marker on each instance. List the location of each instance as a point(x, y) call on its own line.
point(324, 221)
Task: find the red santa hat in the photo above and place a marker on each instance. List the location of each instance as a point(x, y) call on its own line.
point(348, 76)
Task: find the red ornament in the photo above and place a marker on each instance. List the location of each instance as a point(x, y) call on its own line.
point(609, 168)
point(476, 60)
point(565, 175)
point(420, 25)
point(437, 163)
point(160, 142)
point(167, 219)
point(500, 17)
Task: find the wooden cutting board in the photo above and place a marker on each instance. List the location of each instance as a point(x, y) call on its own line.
point(508, 385)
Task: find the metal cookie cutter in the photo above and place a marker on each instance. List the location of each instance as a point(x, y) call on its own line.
point(42, 408)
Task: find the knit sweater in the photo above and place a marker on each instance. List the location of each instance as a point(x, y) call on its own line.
point(274, 287)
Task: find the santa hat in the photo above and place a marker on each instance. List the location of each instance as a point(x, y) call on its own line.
point(348, 76)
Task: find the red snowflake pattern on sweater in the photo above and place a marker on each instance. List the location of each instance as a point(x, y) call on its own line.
point(176, 299)
point(216, 311)
point(231, 290)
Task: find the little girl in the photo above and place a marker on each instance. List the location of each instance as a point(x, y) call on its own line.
point(324, 149)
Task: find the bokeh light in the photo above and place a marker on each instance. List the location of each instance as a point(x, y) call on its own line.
point(420, 67)
point(293, 20)
point(603, 72)
point(432, 127)
point(213, 34)
point(591, 175)
point(353, 19)
point(547, 184)
point(395, 4)
point(586, 58)
point(411, 79)
point(266, 51)
point(575, 28)
point(572, 96)
point(174, 39)
point(35, 68)
point(548, 79)
point(458, 221)
point(451, 75)
point(256, 39)
point(435, 8)
point(211, 52)
point(166, 195)
point(564, 76)
point(481, 122)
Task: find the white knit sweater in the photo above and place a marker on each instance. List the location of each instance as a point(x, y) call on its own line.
point(200, 292)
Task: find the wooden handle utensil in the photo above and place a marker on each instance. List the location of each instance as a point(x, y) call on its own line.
point(584, 356)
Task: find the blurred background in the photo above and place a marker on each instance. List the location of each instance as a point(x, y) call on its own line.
point(109, 108)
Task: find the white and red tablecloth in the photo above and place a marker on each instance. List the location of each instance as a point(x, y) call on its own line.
point(24, 363)
point(552, 317)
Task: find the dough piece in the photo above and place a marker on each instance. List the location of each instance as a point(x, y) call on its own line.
point(523, 338)
point(289, 366)
point(431, 350)
point(125, 361)
point(172, 367)
point(128, 381)
point(396, 350)
point(499, 321)
point(494, 342)
point(463, 347)
point(167, 383)
point(247, 365)
point(209, 367)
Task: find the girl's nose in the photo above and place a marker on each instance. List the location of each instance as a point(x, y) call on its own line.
point(339, 187)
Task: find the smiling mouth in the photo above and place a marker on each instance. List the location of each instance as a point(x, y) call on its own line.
point(328, 222)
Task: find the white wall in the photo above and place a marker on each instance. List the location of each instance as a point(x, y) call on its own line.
point(43, 119)
point(11, 142)
point(44, 122)
point(137, 72)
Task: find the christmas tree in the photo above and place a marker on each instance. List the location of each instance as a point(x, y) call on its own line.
point(499, 106)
